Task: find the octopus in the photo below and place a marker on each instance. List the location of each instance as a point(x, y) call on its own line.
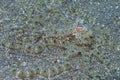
point(57, 47)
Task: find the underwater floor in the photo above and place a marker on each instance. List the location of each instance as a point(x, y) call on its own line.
point(59, 40)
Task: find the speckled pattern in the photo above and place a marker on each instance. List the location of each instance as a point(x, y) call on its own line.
point(41, 40)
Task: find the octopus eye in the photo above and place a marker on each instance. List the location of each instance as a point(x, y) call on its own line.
point(79, 29)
